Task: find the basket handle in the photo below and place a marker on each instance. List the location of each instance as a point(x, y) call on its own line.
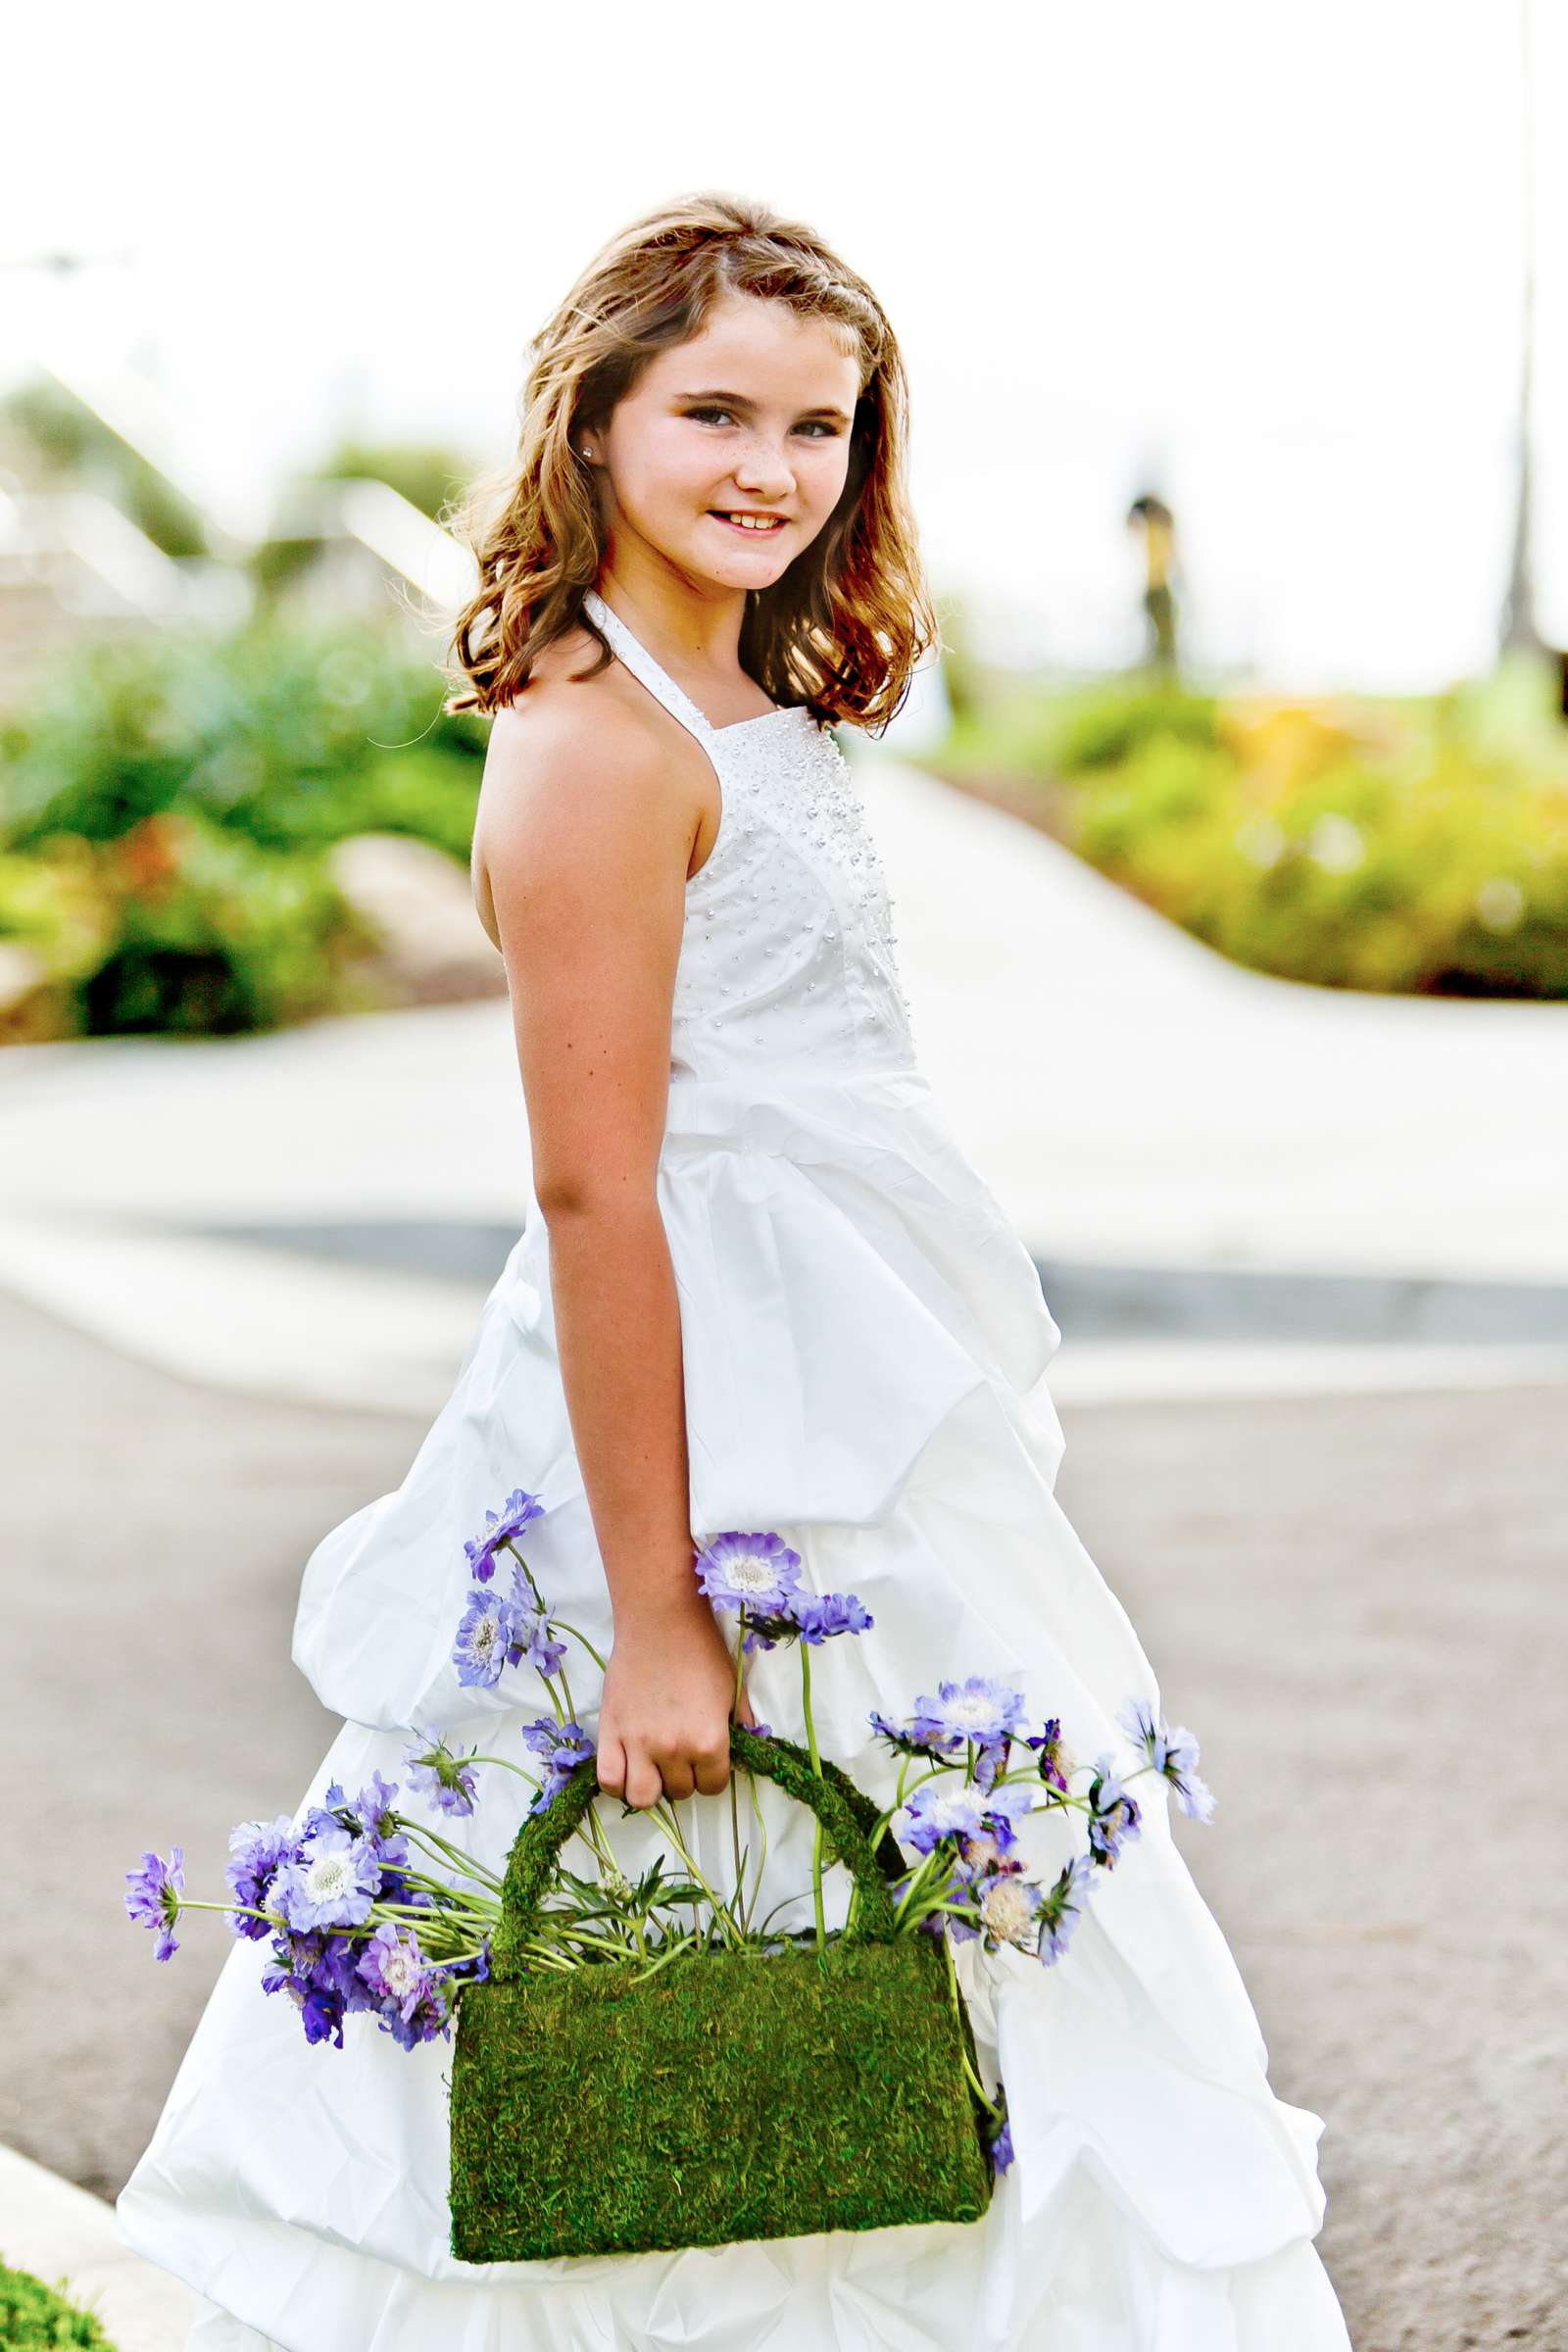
point(844, 1811)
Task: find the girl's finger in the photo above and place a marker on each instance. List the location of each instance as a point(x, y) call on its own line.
point(611, 1765)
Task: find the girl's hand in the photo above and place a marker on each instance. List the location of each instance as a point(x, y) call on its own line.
point(667, 1708)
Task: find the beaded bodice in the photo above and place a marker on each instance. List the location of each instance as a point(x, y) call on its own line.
point(789, 949)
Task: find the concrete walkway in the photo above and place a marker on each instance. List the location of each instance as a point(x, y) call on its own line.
point(1132, 1098)
point(1357, 1604)
point(58, 2232)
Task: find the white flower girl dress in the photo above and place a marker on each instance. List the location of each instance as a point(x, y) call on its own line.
point(865, 1346)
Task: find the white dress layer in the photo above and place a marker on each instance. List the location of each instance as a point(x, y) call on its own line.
point(865, 1346)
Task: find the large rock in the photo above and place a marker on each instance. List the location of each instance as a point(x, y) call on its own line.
point(33, 1008)
point(435, 949)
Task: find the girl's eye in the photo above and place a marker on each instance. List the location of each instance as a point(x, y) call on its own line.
point(821, 423)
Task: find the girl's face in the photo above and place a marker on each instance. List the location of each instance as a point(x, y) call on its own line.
point(751, 416)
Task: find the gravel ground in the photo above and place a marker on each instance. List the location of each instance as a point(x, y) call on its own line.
point(1356, 1604)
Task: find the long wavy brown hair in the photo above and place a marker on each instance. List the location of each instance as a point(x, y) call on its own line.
point(843, 629)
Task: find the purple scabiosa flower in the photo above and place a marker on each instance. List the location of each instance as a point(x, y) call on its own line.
point(531, 1638)
point(1113, 1815)
point(331, 1883)
point(757, 1572)
point(980, 1710)
point(1055, 1767)
point(430, 2015)
point(940, 1810)
point(999, 2146)
point(563, 1747)
point(394, 1968)
point(256, 1849)
point(987, 1846)
point(499, 1526)
point(309, 1973)
point(903, 1738)
point(152, 1898)
point(1063, 1906)
point(1172, 1753)
point(373, 1808)
point(434, 1772)
point(818, 1617)
point(489, 1627)
point(1008, 1906)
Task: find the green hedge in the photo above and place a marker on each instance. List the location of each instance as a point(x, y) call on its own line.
point(1416, 846)
point(167, 805)
point(34, 2317)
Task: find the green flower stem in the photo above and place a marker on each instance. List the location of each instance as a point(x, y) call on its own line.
point(819, 1912)
point(510, 1545)
point(558, 1625)
point(663, 1960)
point(664, 1813)
point(445, 1852)
point(762, 1857)
point(240, 1910)
point(956, 1999)
point(925, 1872)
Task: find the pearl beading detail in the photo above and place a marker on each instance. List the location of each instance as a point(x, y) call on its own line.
point(789, 947)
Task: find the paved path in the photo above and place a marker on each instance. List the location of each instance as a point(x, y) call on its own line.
point(1357, 1604)
point(1133, 1099)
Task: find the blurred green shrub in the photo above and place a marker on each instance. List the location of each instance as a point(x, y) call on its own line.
point(34, 2317)
point(288, 736)
point(182, 927)
point(166, 808)
point(1406, 847)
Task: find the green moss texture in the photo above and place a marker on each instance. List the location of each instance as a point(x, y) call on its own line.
point(729, 2096)
point(733, 2095)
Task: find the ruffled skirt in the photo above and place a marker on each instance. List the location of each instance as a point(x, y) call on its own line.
point(864, 1347)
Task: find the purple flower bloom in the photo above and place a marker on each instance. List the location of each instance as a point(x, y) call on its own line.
point(331, 1883)
point(530, 1633)
point(1172, 1753)
point(152, 1898)
point(981, 1710)
point(489, 1629)
point(1054, 1766)
point(396, 1970)
point(1000, 2148)
point(1062, 1907)
point(430, 2015)
point(1008, 1906)
point(805, 1617)
point(434, 1772)
point(819, 1617)
point(1114, 1816)
point(255, 1848)
point(373, 1807)
point(986, 1852)
point(756, 1572)
point(318, 1973)
point(563, 1747)
point(905, 1738)
point(942, 1808)
point(512, 1517)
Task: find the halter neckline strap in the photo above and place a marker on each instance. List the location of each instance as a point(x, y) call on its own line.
point(640, 661)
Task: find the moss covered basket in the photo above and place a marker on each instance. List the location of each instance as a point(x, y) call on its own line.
point(731, 2095)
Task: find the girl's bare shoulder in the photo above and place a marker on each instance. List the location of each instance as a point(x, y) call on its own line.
point(572, 740)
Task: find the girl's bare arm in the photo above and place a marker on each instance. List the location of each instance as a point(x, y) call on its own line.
point(588, 836)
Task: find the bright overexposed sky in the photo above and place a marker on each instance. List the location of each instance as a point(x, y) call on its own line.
point(1264, 258)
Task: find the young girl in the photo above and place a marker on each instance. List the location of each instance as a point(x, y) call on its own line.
point(759, 1287)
